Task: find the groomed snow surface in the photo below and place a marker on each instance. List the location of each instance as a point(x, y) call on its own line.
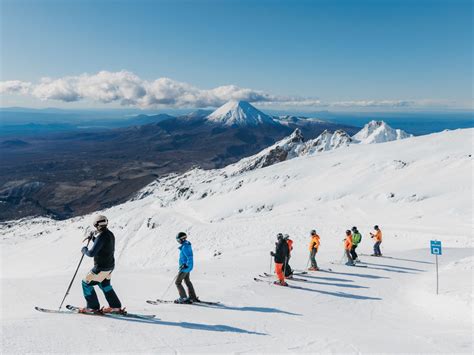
point(416, 189)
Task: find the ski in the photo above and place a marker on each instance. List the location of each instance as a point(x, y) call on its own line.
point(75, 309)
point(378, 256)
point(158, 301)
point(46, 310)
point(269, 282)
point(300, 273)
point(288, 278)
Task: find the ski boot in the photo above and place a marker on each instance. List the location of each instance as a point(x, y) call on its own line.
point(280, 283)
point(350, 264)
point(313, 269)
point(182, 300)
point(194, 299)
point(111, 310)
point(357, 260)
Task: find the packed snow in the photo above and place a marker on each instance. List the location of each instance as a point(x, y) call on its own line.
point(415, 189)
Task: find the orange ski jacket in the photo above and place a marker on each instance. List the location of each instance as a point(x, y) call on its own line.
point(348, 242)
point(314, 243)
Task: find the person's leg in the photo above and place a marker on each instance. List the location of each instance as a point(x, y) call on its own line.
point(353, 253)
point(189, 285)
point(88, 283)
point(279, 271)
point(179, 280)
point(109, 293)
point(349, 257)
point(377, 248)
point(312, 256)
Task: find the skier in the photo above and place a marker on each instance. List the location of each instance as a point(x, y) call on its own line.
point(185, 267)
point(103, 253)
point(356, 239)
point(348, 247)
point(287, 268)
point(378, 241)
point(313, 249)
point(280, 256)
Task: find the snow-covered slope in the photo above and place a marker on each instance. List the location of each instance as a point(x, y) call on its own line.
point(416, 189)
point(379, 132)
point(239, 113)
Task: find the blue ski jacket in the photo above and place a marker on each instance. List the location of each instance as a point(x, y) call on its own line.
point(186, 257)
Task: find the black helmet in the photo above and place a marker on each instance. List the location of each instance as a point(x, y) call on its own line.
point(376, 227)
point(354, 229)
point(313, 232)
point(287, 236)
point(280, 235)
point(181, 236)
point(348, 232)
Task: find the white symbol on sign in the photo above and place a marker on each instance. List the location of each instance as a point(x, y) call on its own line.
point(435, 250)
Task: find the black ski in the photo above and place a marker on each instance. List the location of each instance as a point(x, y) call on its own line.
point(288, 278)
point(158, 301)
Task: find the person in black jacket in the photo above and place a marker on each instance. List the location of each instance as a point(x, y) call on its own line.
point(280, 256)
point(103, 253)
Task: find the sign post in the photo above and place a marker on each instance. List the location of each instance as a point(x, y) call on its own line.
point(436, 250)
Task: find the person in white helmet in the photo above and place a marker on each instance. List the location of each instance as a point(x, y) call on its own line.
point(104, 262)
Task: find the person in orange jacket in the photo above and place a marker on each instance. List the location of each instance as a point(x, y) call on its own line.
point(348, 247)
point(313, 249)
point(287, 268)
point(378, 240)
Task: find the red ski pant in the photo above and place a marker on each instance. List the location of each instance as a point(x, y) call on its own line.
point(279, 271)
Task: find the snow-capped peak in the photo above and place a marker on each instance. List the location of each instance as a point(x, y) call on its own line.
point(379, 132)
point(239, 113)
point(327, 141)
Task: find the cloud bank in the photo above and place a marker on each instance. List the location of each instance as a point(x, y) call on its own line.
point(128, 89)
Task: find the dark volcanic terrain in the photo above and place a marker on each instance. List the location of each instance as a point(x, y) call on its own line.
point(69, 174)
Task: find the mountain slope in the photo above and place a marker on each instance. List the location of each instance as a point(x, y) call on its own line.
point(416, 190)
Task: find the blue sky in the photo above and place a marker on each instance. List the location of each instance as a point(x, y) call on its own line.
point(330, 54)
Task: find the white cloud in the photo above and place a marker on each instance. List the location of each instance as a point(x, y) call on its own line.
point(15, 87)
point(128, 89)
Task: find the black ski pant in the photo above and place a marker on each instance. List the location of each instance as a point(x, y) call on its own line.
point(102, 279)
point(312, 256)
point(287, 268)
point(377, 248)
point(184, 276)
point(353, 252)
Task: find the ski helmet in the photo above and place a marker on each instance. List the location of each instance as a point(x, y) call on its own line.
point(181, 236)
point(313, 232)
point(376, 227)
point(287, 236)
point(348, 232)
point(280, 235)
point(354, 229)
point(100, 222)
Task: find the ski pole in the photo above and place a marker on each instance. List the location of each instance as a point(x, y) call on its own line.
point(271, 259)
point(307, 264)
point(166, 291)
point(77, 269)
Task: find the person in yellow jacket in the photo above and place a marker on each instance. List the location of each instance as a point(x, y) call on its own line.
point(313, 249)
point(348, 247)
point(377, 236)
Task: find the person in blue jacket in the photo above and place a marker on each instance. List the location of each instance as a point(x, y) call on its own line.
point(185, 268)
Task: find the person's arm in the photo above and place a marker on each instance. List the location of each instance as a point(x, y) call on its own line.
point(98, 244)
point(188, 254)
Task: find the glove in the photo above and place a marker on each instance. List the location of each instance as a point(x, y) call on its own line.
point(84, 250)
point(272, 253)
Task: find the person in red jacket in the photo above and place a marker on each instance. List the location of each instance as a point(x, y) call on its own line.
point(348, 247)
point(287, 268)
